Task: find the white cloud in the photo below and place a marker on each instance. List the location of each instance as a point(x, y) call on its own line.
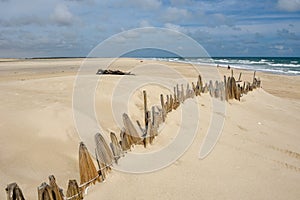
point(181, 2)
point(289, 5)
point(175, 27)
point(62, 16)
point(279, 47)
point(144, 23)
point(144, 4)
point(173, 14)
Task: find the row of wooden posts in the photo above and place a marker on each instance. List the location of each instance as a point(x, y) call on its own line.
point(107, 155)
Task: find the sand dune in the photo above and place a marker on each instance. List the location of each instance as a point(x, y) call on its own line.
point(257, 156)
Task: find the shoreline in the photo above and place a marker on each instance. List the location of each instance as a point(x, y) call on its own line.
point(213, 64)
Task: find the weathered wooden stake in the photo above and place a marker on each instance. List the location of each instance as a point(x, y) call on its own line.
point(211, 88)
point(178, 93)
point(14, 192)
point(217, 90)
point(225, 89)
point(44, 192)
point(87, 169)
point(56, 191)
point(199, 85)
point(171, 103)
point(125, 140)
point(253, 77)
point(240, 77)
point(163, 107)
point(104, 153)
point(116, 148)
point(175, 96)
point(130, 129)
point(167, 104)
point(73, 191)
point(145, 109)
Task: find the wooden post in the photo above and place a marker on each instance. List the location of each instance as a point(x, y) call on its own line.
point(103, 169)
point(258, 82)
point(195, 89)
point(175, 96)
point(130, 129)
point(56, 191)
point(171, 103)
point(222, 91)
point(125, 140)
point(145, 109)
point(240, 77)
point(199, 85)
point(168, 104)
point(229, 88)
point(146, 139)
point(44, 192)
point(238, 92)
point(87, 169)
point(211, 88)
point(187, 91)
point(217, 90)
point(182, 94)
point(14, 192)
point(225, 89)
point(233, 88)
point(232, 73)
point(253, 77)
point(104, 153)
point(115, 146)
point(73, 191)
point(163, 107)
point(178, 93)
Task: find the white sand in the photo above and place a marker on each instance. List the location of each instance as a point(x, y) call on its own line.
point(257, 156)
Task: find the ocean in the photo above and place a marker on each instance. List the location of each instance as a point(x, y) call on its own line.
point(278, 65)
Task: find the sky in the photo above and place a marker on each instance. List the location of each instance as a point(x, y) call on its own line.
point(72, 28)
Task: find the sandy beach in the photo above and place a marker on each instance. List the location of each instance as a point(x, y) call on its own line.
point(256, 157)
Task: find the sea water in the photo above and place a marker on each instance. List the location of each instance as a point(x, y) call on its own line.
point(279, 65)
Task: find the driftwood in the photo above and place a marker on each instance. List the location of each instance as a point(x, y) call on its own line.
point(73, 192)
point(112, 72)
point(87, 169)
point(14, 192)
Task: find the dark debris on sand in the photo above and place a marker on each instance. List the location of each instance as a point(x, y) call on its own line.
point(112, 72)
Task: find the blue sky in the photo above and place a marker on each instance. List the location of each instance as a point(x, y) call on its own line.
point(62, 28)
